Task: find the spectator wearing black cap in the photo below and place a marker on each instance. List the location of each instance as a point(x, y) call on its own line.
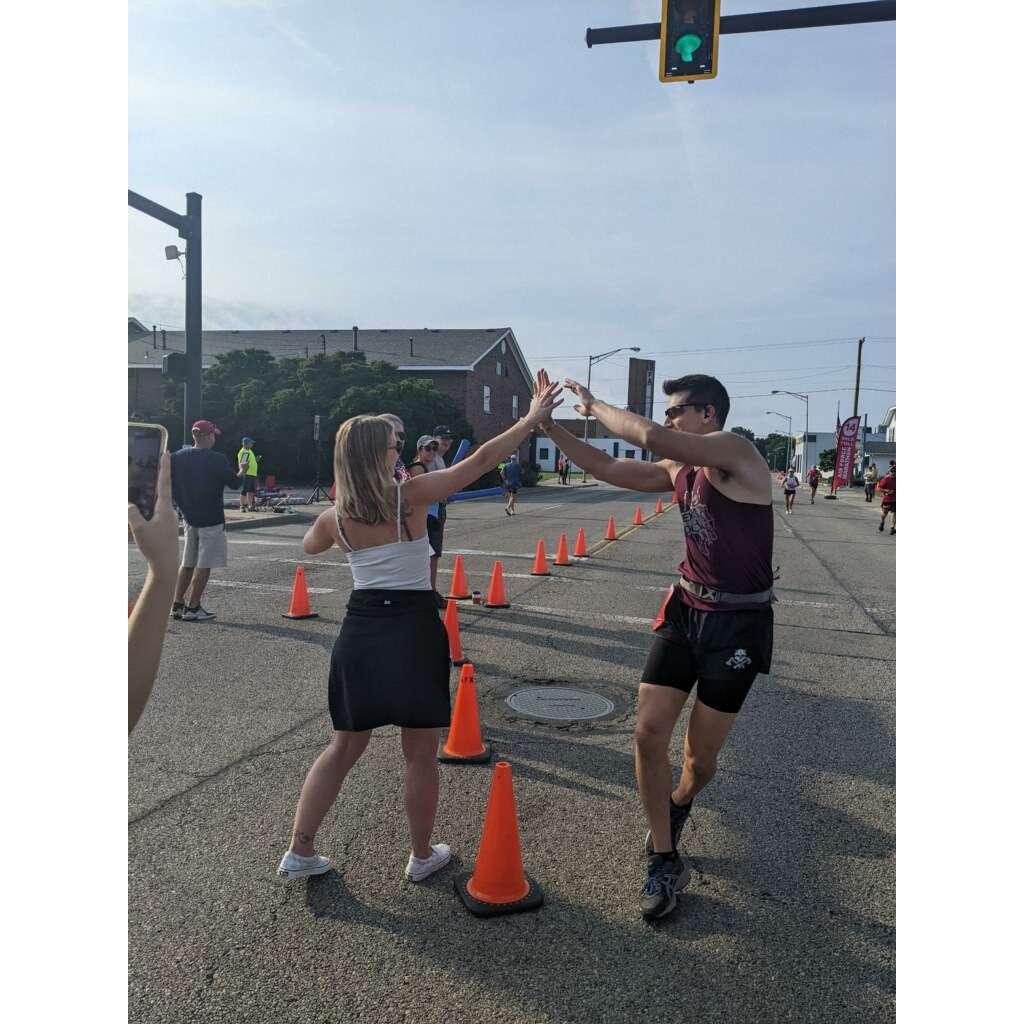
point(198, 478)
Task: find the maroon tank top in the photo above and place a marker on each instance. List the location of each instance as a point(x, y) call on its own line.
point(728, 543)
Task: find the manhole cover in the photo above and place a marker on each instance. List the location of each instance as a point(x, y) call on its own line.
point(559, 703)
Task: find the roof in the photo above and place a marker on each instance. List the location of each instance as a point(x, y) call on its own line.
point(431, 349)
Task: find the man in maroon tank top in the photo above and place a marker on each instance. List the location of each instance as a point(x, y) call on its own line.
point(714, 630)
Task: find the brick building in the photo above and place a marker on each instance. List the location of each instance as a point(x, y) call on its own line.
point(483, 370)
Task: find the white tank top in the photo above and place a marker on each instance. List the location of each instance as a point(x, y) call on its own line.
point(402, 565)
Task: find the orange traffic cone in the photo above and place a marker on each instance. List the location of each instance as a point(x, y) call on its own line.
point(657, 508)
point(464, 744)
point(496, 592)
point(499, 885)
point(638, 519)
point(299, 608)
point(451, 624)
point(675, 499)
point(562, 558)
point(459, 590)
point(609, 534)
point(540, 562)
point(580, 551)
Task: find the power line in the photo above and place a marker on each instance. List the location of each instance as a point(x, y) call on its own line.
point(821, 391)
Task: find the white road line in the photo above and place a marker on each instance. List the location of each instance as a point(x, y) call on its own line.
point(270, 543)
point(593, 617)
point(266, 586)
point(493, 554)
point(544, 508)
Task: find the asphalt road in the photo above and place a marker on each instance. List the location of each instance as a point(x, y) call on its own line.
point(789, 915)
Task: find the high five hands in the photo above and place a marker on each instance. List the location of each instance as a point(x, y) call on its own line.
point(586, 398)
point(543, 403)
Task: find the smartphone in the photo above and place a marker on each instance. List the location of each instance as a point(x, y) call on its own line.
point(146, 443)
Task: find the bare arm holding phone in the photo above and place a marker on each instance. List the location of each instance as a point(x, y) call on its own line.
point(157, 539)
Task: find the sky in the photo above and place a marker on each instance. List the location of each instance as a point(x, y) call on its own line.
point(409, 165)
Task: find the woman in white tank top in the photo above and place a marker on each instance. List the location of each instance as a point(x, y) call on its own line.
point(390, 663)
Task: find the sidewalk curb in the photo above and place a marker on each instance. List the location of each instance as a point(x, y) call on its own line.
point(257, 521)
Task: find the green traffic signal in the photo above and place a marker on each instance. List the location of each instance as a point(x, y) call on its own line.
point(687, 45)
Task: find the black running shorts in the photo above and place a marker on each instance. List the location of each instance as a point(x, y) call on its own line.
point(248, 485)
point(722, 652)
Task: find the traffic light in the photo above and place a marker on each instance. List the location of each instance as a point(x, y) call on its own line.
point(173, 366)
point(689, 40)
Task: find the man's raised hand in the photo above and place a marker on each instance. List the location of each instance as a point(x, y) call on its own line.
point(586, 399)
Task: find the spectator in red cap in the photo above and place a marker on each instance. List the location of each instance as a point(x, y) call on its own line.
point(198, 478)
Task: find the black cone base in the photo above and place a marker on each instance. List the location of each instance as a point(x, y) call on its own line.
point(482, 758)
point(311, 615)
point(531, 901)
point(497, 605)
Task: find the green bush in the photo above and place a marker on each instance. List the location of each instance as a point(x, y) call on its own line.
point(531, 474)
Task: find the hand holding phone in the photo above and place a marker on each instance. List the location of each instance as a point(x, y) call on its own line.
point(157, 537)
point(146, 442)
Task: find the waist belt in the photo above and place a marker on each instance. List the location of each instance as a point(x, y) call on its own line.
point(712, 596)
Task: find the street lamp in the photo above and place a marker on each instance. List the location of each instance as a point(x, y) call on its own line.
point(807, 406)
point(789, 436)
point(590, 367)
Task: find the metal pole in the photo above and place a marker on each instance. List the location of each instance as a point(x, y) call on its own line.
point(192, 232)
point(856, 399)
point(764, 21)
point(586, 421)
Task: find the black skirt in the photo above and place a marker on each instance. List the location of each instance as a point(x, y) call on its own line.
point(390, 664)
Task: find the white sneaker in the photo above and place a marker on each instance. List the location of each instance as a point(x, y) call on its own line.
point(293, 866)
point(416, 870)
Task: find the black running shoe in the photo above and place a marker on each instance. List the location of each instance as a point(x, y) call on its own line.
point(677, 819)
point(665, 879)
point(177, 609)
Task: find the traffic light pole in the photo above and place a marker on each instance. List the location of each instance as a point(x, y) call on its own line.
point(190, 227)
point(765, 21)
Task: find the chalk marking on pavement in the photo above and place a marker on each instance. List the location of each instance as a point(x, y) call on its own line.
point(266, 586)
point(544, 508)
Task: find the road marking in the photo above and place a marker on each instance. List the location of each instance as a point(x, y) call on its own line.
point(493, 554)
point(266, 586)
point(589, 616)
point(269, 543)
point(544, 508)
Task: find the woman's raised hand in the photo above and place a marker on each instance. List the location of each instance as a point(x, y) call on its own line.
point(544, 401)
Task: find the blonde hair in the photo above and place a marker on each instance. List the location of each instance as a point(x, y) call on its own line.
point(365, 486)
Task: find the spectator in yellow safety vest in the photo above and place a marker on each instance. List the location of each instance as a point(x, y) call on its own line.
point(248, 469)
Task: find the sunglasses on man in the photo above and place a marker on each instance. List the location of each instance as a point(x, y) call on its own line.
point(676, 410)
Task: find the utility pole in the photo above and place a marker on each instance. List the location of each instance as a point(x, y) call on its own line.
point(856, 399)
point(189, 227)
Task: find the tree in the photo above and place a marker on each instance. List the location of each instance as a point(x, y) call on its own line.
point(743, 432)
point(774, 448)
point(827, 460)
point(248, 392)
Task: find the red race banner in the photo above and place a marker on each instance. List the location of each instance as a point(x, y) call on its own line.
point(846, 447)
